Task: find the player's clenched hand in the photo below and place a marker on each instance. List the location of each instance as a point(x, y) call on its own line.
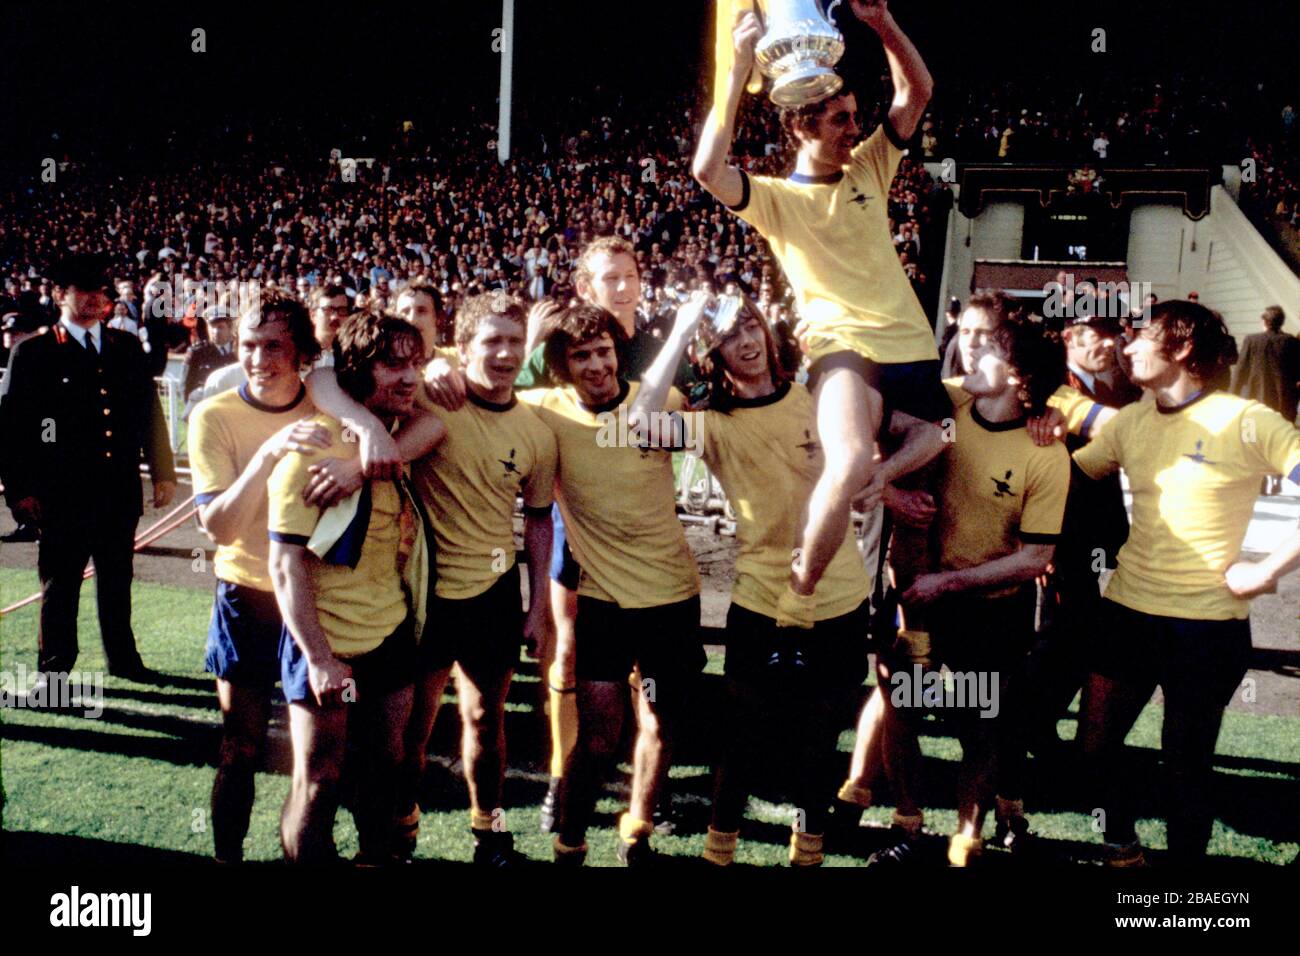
point(303, 436)
point(1246, 579)
point(539, 628)
point(925, 590)
point(331, 481)
point(744, 37)
point(380, 458)
point(874, 13)
point(913, 508)
point(445, 385)
point(1047, 427)
point(329, 679)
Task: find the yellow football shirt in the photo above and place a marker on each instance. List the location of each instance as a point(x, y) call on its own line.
point(832, 238)
point(1194, 472)
point(997, 489)
point(618, 502)
point(225, 433)
point(766, 455)
point(357, 607)
point(469, 483)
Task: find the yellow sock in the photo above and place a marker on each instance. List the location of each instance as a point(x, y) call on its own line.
point(478, 820)
point(630, 828)
point(720, 847)
point(851, 792)
point(795, 610)
point(912, 824)
point(962, 849)
point(805, 849)
point(564, 721)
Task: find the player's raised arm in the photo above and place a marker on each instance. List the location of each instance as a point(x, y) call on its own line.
point(913, 85)
point(710, 167)
point(658, 378)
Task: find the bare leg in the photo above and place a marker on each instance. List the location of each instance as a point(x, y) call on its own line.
point(244, 716)
point(307, 821)
point(848, 416)
point(483, 741)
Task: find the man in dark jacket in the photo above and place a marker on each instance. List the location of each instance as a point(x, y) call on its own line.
point(1268, 372)
point(77, 412)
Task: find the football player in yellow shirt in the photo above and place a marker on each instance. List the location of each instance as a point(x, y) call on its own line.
point(236, 438)
point(1176, 613)
point(349, 588)
point(638, 588)
point(1000, 509)
point(496, 449)
point(871, 346)
point(788, 690)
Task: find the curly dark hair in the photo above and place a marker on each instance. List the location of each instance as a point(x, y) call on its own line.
point(270, 305)
point(365, 339)
point(1213, 349)
point(575, 325)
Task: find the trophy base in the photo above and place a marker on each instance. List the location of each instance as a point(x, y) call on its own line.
point(805, 86)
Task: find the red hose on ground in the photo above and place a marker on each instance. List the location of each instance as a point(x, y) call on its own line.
point(164, 526)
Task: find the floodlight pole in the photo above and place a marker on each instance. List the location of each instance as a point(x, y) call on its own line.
point(507, 76)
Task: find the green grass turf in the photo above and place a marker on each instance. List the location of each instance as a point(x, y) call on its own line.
point(141, 774)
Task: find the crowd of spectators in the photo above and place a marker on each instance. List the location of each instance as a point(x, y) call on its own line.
point(429, 205)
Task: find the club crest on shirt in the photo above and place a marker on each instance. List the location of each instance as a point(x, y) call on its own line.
point(860, 199)
point(511, 469)
point(1198, 456)
point(809, 444)
point(1002, 486)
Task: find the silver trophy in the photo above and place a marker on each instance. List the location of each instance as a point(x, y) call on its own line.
point(798, 51)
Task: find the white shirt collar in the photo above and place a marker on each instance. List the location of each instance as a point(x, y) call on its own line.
point(1086, 377)
point(79, 333)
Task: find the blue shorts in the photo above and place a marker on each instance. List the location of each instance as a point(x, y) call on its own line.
point(913, 388)
point(564, 569)
point(389, 667)
point(244, 637)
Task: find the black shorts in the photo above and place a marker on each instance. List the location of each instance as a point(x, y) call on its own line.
point(972, 633)
point(663, 642)
point(913, 388)
point(830, 658)
point(1203, 658)
point(244, 637)
point(482, 633)
point(388, 668)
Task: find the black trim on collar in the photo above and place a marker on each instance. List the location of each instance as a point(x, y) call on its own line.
point(613, 403)
point(744, 192)
point(246, 395)
point(772, 398)
point(827, 180)
point(490, 406)
point(988, 426)
point(1175, 409)
point(891, 134)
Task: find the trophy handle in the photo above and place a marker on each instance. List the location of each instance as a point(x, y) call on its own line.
point(830, 11)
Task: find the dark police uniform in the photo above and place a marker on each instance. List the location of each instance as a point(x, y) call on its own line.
point(73, 424)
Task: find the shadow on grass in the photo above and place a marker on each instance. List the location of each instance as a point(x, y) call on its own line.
point(25, 848)
point(1255, 806)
